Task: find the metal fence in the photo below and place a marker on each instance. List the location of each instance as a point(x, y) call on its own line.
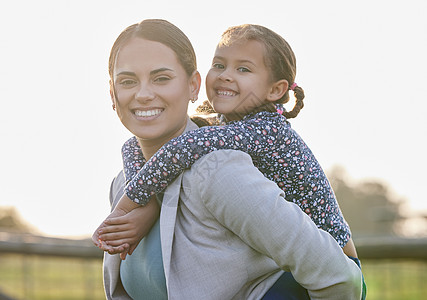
point(45, 268)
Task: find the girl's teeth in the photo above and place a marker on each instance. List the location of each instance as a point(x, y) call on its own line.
point(147, 113)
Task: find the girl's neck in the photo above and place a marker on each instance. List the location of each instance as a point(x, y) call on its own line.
point(269, 106)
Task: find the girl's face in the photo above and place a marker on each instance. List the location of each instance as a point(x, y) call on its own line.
point(238, 80)
point(152, 91)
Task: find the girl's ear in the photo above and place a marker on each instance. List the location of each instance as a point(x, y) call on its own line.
point(195, 83)
point(277, 90)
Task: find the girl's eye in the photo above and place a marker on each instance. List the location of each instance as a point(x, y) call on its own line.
point(218, 66)
point(243, 69)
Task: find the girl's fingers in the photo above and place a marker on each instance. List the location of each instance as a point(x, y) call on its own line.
point(117, 243)
point(132, 248)
point(112, 229)
point(119, 249)
point(116, 250)
point(104, 246)
point(116, 220)
point(114, 236)
point(95, 238)
point(123, 255)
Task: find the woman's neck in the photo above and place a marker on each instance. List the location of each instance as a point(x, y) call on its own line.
point(150, 146)
point(148, 150)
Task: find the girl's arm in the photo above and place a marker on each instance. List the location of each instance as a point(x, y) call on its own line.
point(252, 136)
point(133, 159)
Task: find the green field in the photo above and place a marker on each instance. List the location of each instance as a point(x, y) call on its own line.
point(36, 277)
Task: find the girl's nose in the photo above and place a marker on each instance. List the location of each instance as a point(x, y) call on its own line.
point(225, 76)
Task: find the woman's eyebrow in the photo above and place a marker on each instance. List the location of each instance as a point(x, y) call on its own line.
point(126, 73)
point(154, 72)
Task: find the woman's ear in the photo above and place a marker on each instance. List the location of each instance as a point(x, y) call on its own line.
point(277, 90)
point(195, 83)
point(112, 94)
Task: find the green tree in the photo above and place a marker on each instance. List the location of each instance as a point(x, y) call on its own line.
point(11, 221)
point(368, 206)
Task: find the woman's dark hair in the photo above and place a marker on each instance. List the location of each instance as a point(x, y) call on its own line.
point(161, 31)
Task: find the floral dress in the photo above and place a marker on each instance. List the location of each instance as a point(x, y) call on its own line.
point(276, 150)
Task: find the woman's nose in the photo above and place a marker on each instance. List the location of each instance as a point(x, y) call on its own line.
point(144, 93)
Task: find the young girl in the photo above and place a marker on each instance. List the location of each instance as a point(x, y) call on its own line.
point(251, 75)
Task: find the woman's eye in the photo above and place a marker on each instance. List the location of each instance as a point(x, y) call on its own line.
point(218, 66)
point(161, 79)
point(243, 69)
point(127, 82)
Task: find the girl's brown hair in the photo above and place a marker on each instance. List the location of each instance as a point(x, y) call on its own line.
point(279, 58)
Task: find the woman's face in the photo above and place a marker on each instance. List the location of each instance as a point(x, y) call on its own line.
point(152, 91)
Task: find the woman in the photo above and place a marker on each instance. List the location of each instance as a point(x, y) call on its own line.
point(225, 231)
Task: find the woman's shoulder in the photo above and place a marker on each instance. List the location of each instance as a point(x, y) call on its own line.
point(117, 187)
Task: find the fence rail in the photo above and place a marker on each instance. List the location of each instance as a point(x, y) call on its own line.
point(34, 267)
point(378, 248)
point(50, 247)
point(367, 248)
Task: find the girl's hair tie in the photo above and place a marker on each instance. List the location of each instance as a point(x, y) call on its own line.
point(280, 108)
point(293, 86)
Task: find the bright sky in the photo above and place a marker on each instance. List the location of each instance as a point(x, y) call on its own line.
point(363, 66)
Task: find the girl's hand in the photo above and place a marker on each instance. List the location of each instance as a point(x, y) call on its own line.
point(123, 206)
point(96, 237)
point(122, 233)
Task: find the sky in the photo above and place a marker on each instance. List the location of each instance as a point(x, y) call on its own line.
point(362, 64)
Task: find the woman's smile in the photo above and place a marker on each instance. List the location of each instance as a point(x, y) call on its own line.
point(148, 113)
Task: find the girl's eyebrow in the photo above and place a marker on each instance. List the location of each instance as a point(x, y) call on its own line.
point(246, 61)
point(240, 61)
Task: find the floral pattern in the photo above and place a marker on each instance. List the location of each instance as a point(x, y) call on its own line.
point(276, 150)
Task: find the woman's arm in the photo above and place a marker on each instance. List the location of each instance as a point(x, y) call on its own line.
point(252, 207)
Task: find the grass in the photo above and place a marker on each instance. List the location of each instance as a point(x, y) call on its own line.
point(35, 277)
point(395, 280)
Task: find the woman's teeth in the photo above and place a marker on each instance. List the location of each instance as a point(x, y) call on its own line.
point(147, 113)
point(226, 93)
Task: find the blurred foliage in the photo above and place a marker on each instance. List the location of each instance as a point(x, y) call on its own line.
point(368, 206)
point(11, 221)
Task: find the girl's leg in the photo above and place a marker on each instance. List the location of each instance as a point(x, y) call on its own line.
point(286, 288)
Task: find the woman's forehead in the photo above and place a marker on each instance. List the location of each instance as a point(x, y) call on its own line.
point(139, 53)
